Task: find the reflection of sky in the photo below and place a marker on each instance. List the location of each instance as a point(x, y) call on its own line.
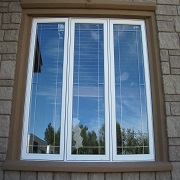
point(88, 92)
point(47, 85)
point(129, 78)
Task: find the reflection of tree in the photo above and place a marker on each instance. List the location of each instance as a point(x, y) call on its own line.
point(128, 141)
point(131, 142)
point(52, 138)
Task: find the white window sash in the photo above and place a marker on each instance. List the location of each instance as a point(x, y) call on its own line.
point(133, 157)
point(24, 146)
point(90, 157)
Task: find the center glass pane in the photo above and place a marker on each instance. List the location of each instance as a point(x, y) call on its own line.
point(88, 131)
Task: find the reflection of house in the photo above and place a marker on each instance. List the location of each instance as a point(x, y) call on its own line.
point(38, 59)
point(37, 145)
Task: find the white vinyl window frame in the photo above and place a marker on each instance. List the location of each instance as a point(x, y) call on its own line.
point(134, 157)
point(24, 146)
point(67, 94)
point(70, 92)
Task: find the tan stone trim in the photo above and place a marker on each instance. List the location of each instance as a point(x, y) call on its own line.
point(87, 167)
point(88, 4)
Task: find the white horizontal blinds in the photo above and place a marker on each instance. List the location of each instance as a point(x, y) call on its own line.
point(46, 96)
point(88, 121)
point(130, 91)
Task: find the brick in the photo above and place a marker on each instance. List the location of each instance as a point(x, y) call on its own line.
point(165, 68)
point(174, 153)
point(16, 18)
point(164, 55)
point(165, 26)
point(3, 145)
point(4, 126)
point(3, 9)
point(6, 83)
point(171, 84)
point(174, 141)
point(113, 176)
point(62, 176)
point(174, 52)
point(45, 176)
point(163, 175)
point(173, 126)
point(5, 107)
point(12, 175)
point(166, 10)
point(8, 47)
point(176, 171)
point(4, 4)
point(178, 10)
point(6, 18)
point(147, 176)
point(6, 93)
point(131, 176)
point(172, 98)
point(7, 69)
point(1, 35)
point(177, 24)
point(0, 19)
point(164, 18)
point(175, 2)
point(11, 35)
point(175, 61)
point(144, 0)
point(168, 111)
point(175, 71)
point(2, 158)
point(78, 176)
point(99, 176)
point(169, 40)
point(11, 26)
point(1, 172)
point(15, 7)
point(28, 175)
point(8, 57)
point(175, 108)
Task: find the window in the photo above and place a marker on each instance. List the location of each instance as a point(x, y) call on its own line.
point(88, 95)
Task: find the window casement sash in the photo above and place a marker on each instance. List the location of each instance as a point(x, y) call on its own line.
point(89, 157)
point(66, 126)
point(26, 121)
point(134, 157)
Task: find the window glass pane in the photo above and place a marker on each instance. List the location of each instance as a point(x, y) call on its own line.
point(45, 105)
point(88, 132)
point(130, 93)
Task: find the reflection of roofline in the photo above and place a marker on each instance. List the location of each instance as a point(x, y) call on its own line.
point(37, 58)
point(36, 137)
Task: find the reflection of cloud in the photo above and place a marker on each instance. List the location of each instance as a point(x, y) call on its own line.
point(95, 35)
point(76, 122)
point(124, 76)
point(130, 110)
point(88, 91)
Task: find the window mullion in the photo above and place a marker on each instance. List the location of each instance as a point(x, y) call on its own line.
point(112, 91)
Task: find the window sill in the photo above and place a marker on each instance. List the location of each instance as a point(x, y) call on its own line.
point(86, 166)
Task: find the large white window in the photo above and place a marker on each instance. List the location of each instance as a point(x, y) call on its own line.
point(88, 95)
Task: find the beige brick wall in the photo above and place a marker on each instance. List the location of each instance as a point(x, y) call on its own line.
point(168, 24)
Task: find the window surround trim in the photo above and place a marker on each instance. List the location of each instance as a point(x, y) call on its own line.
point(14, 147)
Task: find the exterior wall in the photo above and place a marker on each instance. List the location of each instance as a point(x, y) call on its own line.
point(168, 24)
